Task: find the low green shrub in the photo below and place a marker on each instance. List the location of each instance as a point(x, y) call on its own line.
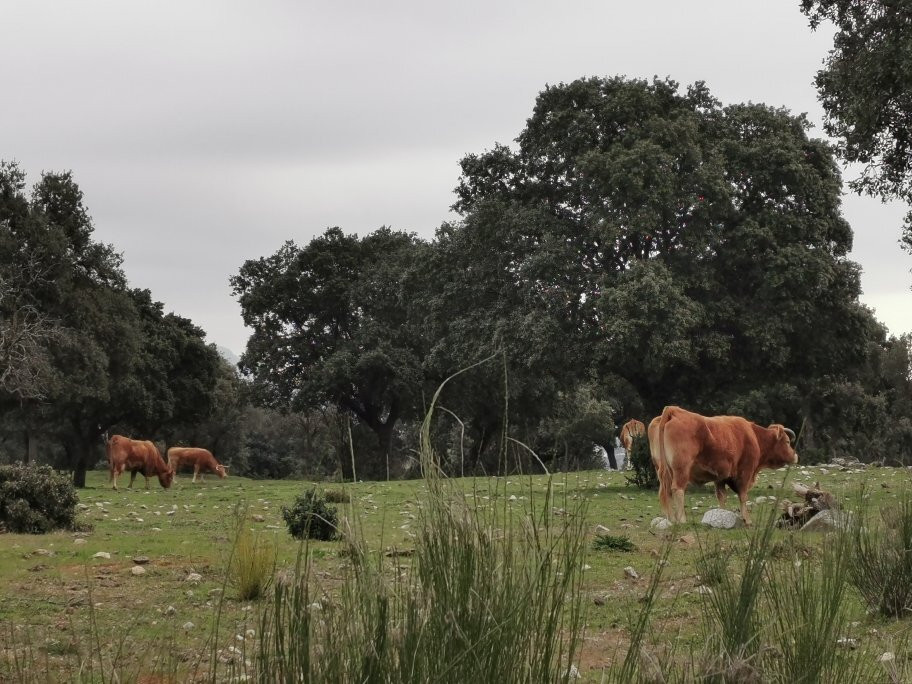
point(644, 472)
point(36, 499)
point(311, 517)
point(337, 496)
point(611, 542)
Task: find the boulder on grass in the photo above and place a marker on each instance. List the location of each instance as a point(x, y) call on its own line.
point(722, 519)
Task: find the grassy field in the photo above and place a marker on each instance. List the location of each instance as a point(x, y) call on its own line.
point(60, 604)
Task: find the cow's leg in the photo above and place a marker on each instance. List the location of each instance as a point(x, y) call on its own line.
point(147, 480)
point(196, 470)
point(132, 478)
point(721, 494)
point(115, 473)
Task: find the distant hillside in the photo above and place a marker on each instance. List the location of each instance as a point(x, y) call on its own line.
point(228, 355)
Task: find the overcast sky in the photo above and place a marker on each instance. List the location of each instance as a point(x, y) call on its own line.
point(207, 133)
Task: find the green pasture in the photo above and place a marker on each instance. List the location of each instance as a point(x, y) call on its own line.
point(57, 598)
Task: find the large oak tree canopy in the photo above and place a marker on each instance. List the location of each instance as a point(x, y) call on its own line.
point(639, 245)
point(865, 88)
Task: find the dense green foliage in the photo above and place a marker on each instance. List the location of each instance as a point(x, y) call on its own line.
point(35, 499)
point(866, 91)
point(639, 246)
point(103, 356)
point(311, 517)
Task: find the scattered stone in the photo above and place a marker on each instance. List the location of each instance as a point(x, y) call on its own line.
point(703, 589)
point(601, 529)
point(188, 626)
point(258, 518)
point(827, 521)
point(250, 633)
point(42, 552)
point(79, 540)
point(572, 672)
point(886, 657)
point(102, 554)
point(847, 642)
point(156, 529)
point(140, 560)
point(721, 519)
point(512, 497)
point(194, 577)
point(660, 524)
point(687, 539)
point(170, 610)
point(631, 573)
point(138, 570)
point(599, 601)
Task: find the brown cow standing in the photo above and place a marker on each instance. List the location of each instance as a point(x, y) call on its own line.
point(137, 456)
point(726, 450)
point(630, 429)
point(202, 461)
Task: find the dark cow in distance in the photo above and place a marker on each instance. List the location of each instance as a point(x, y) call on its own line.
point(137, 456)
point(726, 450)
point(202, 461)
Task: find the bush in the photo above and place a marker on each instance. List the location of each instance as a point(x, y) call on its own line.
point(311, 517)
point(644, 472)
point(35, 499)
point(611, 542)
point(337, 496)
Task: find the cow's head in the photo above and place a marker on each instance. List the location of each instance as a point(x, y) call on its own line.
point(781, 452)
point(222, 470)
point(166, 477)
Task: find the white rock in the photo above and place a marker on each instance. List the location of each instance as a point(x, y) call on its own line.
point(601, 529)
point(170, 610)
point(188, 626)
point(721, 518)
point(102, 554)
point(79, 540)
point(886, 657)
point(573, 672)
point(703, 589)
point(138, 570)
point(660, 524)
point(631, 573)
point(847, 642)
point(194, 577)
point(828, 520)
point(512, 497)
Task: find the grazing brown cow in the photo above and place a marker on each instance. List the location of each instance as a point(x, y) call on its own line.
point(202, 461)
point(631, 429)
point(138, 457)
point(726, 450)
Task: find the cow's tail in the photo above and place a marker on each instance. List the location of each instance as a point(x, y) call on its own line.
point(664, 457)
point(109, 452)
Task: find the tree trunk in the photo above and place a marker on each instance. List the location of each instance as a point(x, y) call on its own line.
point(81, 464)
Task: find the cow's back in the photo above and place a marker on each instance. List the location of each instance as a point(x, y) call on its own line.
point(712, 448)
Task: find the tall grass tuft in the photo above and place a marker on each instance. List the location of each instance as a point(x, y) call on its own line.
point(808, 615)
point(881, 568)
point(252, 563)
point(732, 610)
point(489, 595)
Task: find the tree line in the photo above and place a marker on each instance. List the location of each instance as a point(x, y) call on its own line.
point(639, 245)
